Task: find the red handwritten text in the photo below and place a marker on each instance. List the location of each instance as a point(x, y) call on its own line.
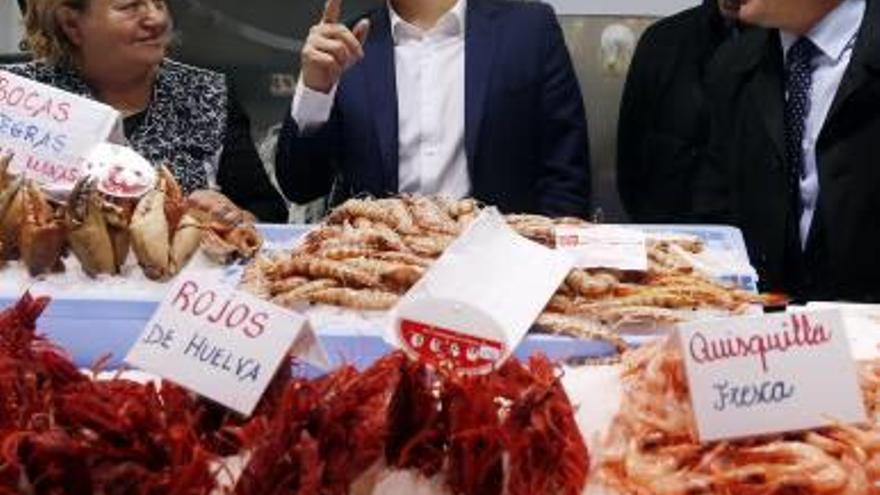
point(34, 103)
point(219, 310)
point(799, 334)
point(49, 172)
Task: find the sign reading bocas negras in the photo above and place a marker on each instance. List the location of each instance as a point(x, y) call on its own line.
point(222, 343)
point(49, 130)
point(770, 374)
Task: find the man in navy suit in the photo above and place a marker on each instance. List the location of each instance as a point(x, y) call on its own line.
point(454, 97)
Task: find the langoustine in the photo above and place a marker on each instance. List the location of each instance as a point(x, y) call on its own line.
point(408, 416)
point(369, 252)
point(61, 432)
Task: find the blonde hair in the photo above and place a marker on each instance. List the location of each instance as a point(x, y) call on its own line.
point(44, 36)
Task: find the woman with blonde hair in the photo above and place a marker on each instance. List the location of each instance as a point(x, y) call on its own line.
point(114, 51)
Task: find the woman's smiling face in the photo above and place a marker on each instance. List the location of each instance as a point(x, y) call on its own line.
point(121, 33)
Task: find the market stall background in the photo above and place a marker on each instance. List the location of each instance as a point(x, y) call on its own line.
point(257, 42)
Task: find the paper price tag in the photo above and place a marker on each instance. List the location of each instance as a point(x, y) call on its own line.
point(49, 130)
point(437, 346)
point(476, 303)
point(221, 343)
point(604, 246)
point(770, 374)
point(121, 172)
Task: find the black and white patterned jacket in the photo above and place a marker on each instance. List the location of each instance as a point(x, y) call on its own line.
point(183, 126)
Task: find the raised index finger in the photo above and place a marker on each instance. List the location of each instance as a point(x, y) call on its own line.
point(332, 11)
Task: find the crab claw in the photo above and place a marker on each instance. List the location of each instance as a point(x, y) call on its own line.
point(11, 216)
point(88, 230)
point(225, 247)
point(175, 204)
point(212, 206)
point(162, 248)
point(229, 230)
point(42, 233)
point(150, 234)
point(5, 176)
point(185, 242)
point(118, 215)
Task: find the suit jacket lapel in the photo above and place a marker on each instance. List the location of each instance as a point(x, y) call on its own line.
point(381, 83)
point(767, 88)
point(479, 50)
point(760, 64)
point(864, 68)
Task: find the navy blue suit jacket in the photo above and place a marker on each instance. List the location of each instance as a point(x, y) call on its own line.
point(525, 126)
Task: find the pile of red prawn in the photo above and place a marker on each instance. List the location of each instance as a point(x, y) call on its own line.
point(61, 432)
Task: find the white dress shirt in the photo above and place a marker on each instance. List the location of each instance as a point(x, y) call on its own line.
point(835, 36)
point(429, 67)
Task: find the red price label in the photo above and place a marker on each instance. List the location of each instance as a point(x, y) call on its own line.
point(447, 348)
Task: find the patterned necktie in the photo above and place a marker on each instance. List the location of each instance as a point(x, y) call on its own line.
point(798, 81)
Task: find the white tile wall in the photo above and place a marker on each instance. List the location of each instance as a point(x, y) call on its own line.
point(620, 7)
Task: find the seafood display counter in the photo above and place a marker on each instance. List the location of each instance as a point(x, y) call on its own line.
point(92, 318)
point(379, 423)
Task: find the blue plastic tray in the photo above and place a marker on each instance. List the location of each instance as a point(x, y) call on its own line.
point(90, 329)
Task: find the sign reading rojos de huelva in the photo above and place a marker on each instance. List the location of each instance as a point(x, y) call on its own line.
point(219, 342)
point(770, 374)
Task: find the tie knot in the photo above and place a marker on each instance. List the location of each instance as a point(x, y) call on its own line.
point(802, 52)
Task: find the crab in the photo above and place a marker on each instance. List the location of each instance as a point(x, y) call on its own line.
point(11, 210)
point(228, 231)
point(43, 235)
point(164, 236)
point(30, 228)
point(97, 229)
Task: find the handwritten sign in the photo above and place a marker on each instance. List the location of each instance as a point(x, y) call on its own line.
point(478, 300)
point(50, 130)
point(221, 343)
point(770, 374)
point(604, 246)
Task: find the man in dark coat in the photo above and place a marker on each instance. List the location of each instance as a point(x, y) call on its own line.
point(662, 131)
point(454, 97)
point(793, 157)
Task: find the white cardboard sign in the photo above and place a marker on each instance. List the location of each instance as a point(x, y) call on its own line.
point(50, 130)
point(478, 300)
point(221, 343)
point(120, 171)
point(770, 374)
point(604, 246)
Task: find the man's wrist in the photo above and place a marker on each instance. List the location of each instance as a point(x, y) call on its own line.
point(311, 108)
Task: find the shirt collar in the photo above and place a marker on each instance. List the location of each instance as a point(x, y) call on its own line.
point(835, 32)
point(452, 23)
